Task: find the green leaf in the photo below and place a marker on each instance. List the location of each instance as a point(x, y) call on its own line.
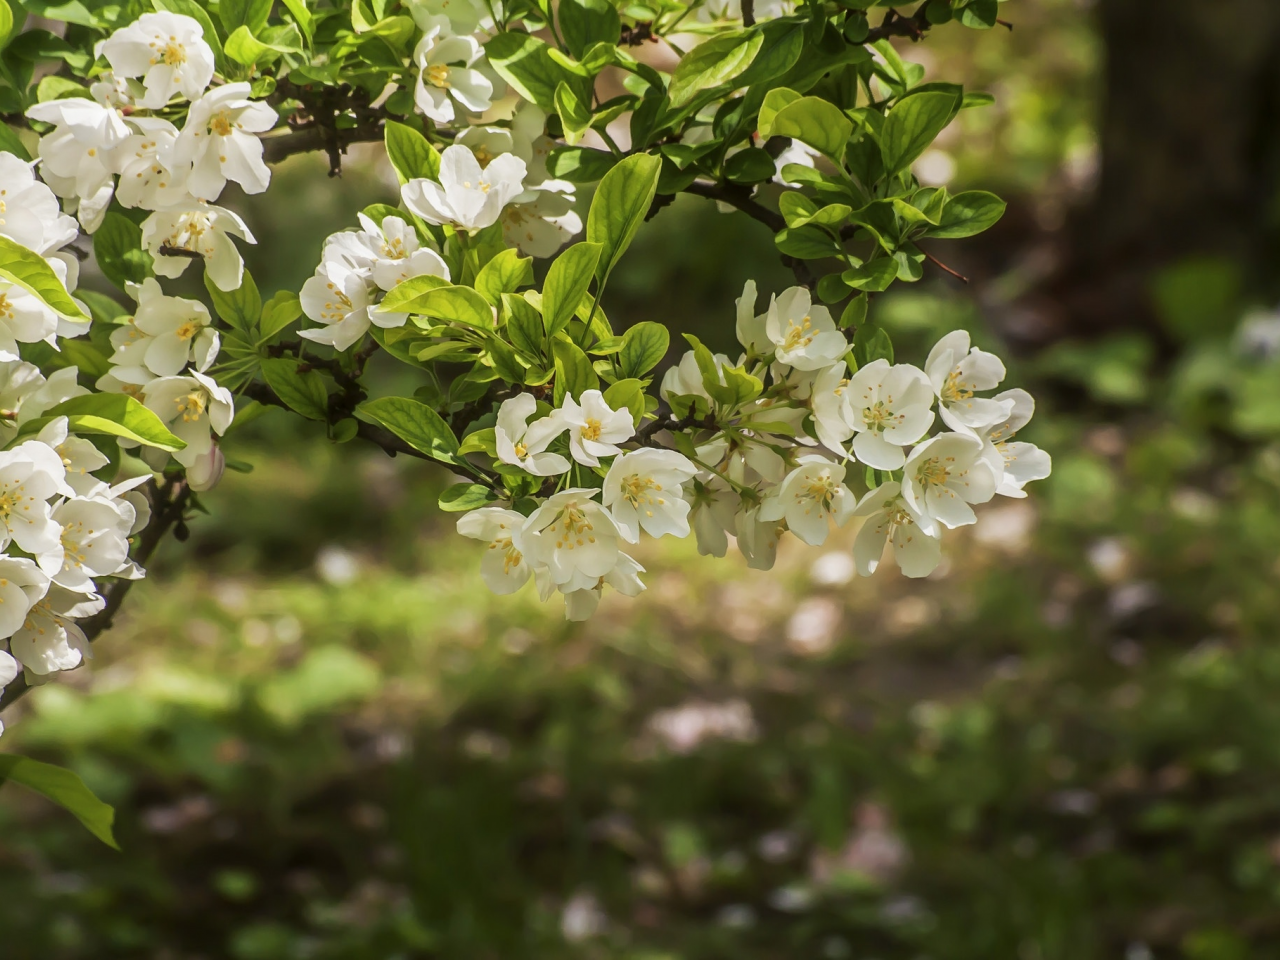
point(302, 16)
point(643, 347)
point(526, 63)
point(810, 120)
point(979, 14)
point(303, 393)
point(9, 142)
point(627, 393)
point(465, 496)
point(405, 293)
point(712, 64)
point(749, 166)
point(118, 415)
point(968, 213)
point(244, 48)
point(619, 207)
point(855, 314)
point(6, 23)
point(240, 308)
point(416, 424)
point(874, 276)
point(567, 281)
point(807, 243)
point(584, 23)
point(64, 788)
point(117, 246)
point(28, 270)
point(505, 273)
point(250, 13)
point(453, 304)
point(277, 313)
point(524, 325)
point(574, 373)
point(871, 343)
point(575, 116)
point(912, 125)
point(59, 88)
point(579, 164)
point(410, 153)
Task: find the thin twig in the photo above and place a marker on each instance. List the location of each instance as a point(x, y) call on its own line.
point(938, 263)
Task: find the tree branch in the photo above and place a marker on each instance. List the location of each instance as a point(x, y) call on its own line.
point(896, 25)
point(169, 504)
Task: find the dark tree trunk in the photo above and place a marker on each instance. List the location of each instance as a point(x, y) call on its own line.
point(1189, 133)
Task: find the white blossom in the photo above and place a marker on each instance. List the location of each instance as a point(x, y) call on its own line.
point(891, 406)
point(219, 142)
point(30, 474)
point(803, 334)
point(79, 457)
point(685, 378)
point(446, 73)
point(77, 157)
point(466, 196)
point(1015, 462)
point(810, 498)
point(574, 538)
point(339, 297)
point(523, 444)
point(595, 428)
point(167, 51)
point(29, 211)
point(388, 253)
point(49, 640)
point(163, 336)
point(644, 490)
point(206, 470)
point(890, 519)
point(95, 540)
point(624, 577)
point(24, 318)
point(957, 372)
point(944, 475)
point(713, 505)
point(503, 567)
point(191, 406)
point(8, 673)
point(541, 221)
point(150, 176)
point(200, 229)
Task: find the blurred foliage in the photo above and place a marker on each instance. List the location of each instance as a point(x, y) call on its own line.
point(325, 739)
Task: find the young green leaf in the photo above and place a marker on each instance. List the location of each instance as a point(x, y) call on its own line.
point(452, 304)
point(462, 497)
point(567, 280)
point(811, 120)
point(524, 325)
point(712, 64)
point(619, 207)
point(968, 213)
point(584, 23)
point(416, 424)
point(643, 347)
point(574, 373)
point(302, 392)
point(575, 116)
point(240, 308)
point(410, 153)
point(119, 415)
point(117, 246)
point(912, 125)
point(66, 789)
point(505, 273)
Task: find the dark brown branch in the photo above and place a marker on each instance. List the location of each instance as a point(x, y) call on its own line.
point(740, 199)
point(942, 266)
point(896, 25)
point(310, 139)
point(168, 509)
point(748, 13)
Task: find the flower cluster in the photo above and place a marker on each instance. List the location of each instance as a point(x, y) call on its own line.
point(776, 460)
point(117, 131)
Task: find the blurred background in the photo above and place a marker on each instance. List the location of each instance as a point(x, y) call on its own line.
point(325, 739)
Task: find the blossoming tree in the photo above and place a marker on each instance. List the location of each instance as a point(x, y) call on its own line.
point(126, 125)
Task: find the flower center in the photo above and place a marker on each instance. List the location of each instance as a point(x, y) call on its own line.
point(521, 450)
point(437, 76)
point(173, 54)
point(820, 489)
point(483, 156)
point(635, 490)
point(188, 330)
point(394, 249)
point(878, 416)
point(6, 308)
point(591, 430)
point(933, 472)
point(191, 407)
point(221, 124)
point(574, 528)
point(511, 557)
point(955, 389)
point(798, 334)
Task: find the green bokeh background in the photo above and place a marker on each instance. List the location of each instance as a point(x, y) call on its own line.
point(325, 739)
